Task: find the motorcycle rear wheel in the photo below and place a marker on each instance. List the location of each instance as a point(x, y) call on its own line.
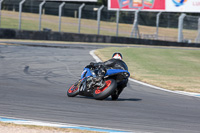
point(100, 94)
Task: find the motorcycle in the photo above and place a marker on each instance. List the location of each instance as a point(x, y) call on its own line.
point(91, 85)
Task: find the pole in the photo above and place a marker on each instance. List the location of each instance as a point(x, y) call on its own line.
point(20, 12)
point(60, 15)
point(79, 17)
point(40, 13)
point(157, 23)
point(135, 24)
point(99, 18)
point(117, 22)
point(0, 11)
point(180, 27)
point(198, 36)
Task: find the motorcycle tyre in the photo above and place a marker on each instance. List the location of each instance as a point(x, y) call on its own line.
point(107, 92)
point(72, 94)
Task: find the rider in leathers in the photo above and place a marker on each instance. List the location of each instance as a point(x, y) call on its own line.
point(114, 63)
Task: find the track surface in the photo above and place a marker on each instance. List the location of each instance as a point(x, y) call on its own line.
point(33, 82)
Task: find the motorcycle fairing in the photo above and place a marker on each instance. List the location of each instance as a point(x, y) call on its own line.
point(86, 72)
point(116, 71)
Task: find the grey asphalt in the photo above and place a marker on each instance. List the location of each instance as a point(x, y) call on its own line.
point(34, 81)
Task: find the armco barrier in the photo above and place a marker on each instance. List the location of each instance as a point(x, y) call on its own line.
point(74, 37)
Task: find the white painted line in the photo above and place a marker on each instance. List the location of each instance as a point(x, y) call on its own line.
point(152, 86)
point(94, 56)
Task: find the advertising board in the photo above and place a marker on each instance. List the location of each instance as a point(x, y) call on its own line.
point(155, 5)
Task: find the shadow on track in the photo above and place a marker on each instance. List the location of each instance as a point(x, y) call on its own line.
point(129, 99)
point(109, 99)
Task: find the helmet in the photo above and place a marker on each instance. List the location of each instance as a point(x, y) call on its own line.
point(117, 56)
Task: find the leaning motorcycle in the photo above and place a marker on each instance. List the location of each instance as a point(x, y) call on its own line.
point(91, 85)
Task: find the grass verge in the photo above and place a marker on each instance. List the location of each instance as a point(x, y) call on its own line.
point(10, 128)
point(174, 69)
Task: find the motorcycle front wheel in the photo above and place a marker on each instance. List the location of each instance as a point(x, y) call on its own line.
point(105, 92)
point(73, 91)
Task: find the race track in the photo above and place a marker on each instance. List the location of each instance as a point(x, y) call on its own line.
point(34, 79)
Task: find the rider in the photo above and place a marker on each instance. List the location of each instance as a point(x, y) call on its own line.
point(114, 63)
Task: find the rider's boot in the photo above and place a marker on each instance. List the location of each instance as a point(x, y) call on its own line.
point(115, 95)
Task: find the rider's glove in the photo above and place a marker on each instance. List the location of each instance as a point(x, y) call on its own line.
point(91, 65)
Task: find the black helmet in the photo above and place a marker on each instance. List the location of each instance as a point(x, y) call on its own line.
point(117, 55)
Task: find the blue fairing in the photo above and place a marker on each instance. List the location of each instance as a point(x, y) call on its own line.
point(115, 71)
point(86, 72)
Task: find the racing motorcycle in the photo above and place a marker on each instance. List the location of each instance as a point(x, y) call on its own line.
point(91, 85)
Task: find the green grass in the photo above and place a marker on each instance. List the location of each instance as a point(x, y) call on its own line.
point(13, 23)
point(174, 69)
point(9, 23)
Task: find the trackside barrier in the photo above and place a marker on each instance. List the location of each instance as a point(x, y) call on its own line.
point(75, 37)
